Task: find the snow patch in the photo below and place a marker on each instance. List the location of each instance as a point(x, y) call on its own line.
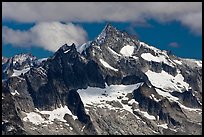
point(163, 57)
point(132, 101)
point(163, 125)
point(199, 63)
point(189, 109)
point(105, 64)
point(147, 46)
point(70, 128)
point(178, 62)
point(19, 72)
point(14, 93)
point(150, 57)
point(134, 57)
point(67, 124)
point(157, 100)
point(151, 117)
point(167, 95)
point(67, 51)
point(82, 129)
point(113, 51)
point(127, 50)
point(138, 85)
point(191, 62)
point(34, 118)
point(167, 81)
point(160, 58)
point(83, 47)
point(58, 114)
point(42, 71)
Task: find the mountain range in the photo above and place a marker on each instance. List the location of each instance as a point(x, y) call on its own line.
point(112, 85)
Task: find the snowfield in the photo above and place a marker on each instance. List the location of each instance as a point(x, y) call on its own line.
point(167, 81)
point(127, 50)
point(58, 114)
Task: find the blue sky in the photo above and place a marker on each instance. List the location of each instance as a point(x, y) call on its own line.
point(22, 35)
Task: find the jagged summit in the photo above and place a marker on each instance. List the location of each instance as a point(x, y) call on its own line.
point(109, 27)
point(107, 31)
point(109, 36)
point(66, 48)
point(23, 58)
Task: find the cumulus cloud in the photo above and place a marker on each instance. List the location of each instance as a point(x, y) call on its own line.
point(174, 44)
point(194, 21)
point(187, 13)
point(48, 35)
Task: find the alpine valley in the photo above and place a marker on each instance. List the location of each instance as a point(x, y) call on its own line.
point(113, 85)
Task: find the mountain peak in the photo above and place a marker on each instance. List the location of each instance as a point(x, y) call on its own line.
point(108, 29)
point(65, 48)
point(22, 57)
point(109, 26)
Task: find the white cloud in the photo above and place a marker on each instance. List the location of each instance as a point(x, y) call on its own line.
point(188, 13)
point(16, 37)
point(48, 35)
point(194, 21)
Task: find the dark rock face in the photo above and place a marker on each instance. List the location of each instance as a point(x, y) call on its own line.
point(169, 69)
point(188, 99)
point(55, 82)
point(93, 73)
point(73, 70)
point(76, 106)
point(131, 80)
point(164, 109)
point(11, 122)
point(17, 84)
